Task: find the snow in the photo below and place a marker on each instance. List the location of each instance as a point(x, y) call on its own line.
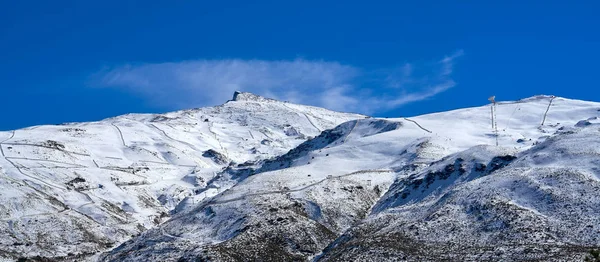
point(312, 176)
point(136, 169)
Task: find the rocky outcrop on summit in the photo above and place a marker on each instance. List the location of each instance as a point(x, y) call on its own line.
point(249, 97)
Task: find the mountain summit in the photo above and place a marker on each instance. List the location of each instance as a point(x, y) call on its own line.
point(245, 96)
point(276, 181)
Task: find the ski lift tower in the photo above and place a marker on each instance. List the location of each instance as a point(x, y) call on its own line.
point(492, 99)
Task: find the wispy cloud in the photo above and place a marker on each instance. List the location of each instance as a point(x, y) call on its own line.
point(321, 83)
point(440, 82)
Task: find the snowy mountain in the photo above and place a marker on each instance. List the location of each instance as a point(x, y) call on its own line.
point(260, 179)
point(77, 189)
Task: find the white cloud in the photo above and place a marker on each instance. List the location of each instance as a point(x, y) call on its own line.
point(440, 83)
point(321, 83)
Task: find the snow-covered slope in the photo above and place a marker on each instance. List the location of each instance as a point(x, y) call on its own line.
point(539, 205)
point(328, 196)
point(266, 180)
point(76, 189)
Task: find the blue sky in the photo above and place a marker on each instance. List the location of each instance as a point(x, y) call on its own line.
point(65, 61)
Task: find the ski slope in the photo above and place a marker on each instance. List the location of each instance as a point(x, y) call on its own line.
point(80, 188)
point(382, 176)
point(261, 179)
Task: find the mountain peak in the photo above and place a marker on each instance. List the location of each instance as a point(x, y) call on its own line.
point(245, 96)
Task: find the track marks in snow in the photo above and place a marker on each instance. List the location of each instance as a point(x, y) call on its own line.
point(210, 129)
point(117, 169)
point(46, 196)
point(166, 163)
point(354, 126)
point(415, 122)
point(11, 136)
point(164, 233)
point(32, 215)
point(49, 147)
point(34, 178)
point(301, 188)
point(173, 139)
point(120, 134)
point(312, 123)
point(47, 160)
point(307, 118)
point(86, 204)
point(547, 109)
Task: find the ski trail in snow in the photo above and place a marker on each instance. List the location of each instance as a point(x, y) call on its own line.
point(165, 163)
point(176, 140)
point(210, 129)
point(123, 171)
point(164, 233)
point(43, 214)
point(49, 147)
point(155, 162)
point(34, 178)
point(311, 122)
point(11, 136)
point(89, 217)
point(415, 122)
point(33, 215)
point(354, 126)
point(46, 160)
point(547, 109)
point(299, 189)
point(266, 135)
point(86, 204)
point(120, 134)
point(307, 118)
point(87, 197)
point(42, 193)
